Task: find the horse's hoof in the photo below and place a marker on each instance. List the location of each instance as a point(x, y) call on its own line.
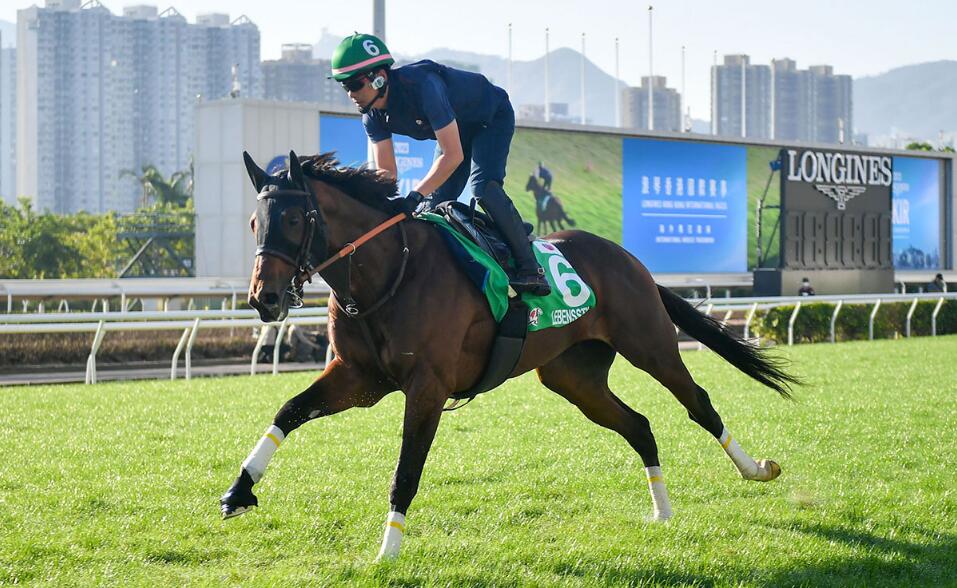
point(769, 470)
point(658, 517)
point(234, 511)
point(239, 499)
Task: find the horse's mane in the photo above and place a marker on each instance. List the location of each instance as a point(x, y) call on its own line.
point(360, 183)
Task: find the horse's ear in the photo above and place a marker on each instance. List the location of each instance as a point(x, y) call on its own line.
point(295, 170)
point(257, 176)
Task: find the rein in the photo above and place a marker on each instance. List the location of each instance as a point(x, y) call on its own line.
point(351, 307)
point(361, 241)
point(341, 282)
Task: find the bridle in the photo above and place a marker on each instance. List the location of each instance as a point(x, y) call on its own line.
point(302, 258)
point(314, 234)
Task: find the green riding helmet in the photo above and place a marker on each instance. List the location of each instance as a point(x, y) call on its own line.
point(358, 53)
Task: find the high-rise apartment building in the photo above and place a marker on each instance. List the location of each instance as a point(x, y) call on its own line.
point(810, 105)
point(666, 104)
point(780, 102)
point(102, 95)
point(789, 100)
point(830, 105)
point(299, 77)
point(741, 98)
point(8, 124)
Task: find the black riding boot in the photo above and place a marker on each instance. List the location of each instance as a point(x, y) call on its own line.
point(529, 276)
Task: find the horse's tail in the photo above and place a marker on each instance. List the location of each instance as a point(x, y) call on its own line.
point(747, 357)
point(561, 210)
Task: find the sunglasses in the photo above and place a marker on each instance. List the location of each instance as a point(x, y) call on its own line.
point(354, 84)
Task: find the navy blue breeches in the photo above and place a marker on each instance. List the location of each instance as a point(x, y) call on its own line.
point(485, 152)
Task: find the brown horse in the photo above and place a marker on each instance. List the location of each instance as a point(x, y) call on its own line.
point(410, 320)
point(548, 208)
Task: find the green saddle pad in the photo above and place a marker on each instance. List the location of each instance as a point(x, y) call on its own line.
point(570, 299)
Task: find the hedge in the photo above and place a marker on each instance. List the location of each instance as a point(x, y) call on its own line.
point(813, 323)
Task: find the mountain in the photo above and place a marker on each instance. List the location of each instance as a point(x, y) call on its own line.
point(914, 100)
point(528, 80)
point(528, 77)
point(8, 34)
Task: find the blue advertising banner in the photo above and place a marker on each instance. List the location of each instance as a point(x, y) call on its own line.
point(684, 205)
point(916, 214)
point(346, 136)
point(413, 160)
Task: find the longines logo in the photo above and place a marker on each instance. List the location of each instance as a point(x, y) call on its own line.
point(839, 176)
point(840, 194)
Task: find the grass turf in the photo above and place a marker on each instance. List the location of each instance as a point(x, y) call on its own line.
point(117, 484)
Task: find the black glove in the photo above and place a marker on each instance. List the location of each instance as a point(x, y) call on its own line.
point(417, 202)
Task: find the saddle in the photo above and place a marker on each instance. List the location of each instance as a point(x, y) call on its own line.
point(479, 228)
point(543, 203)
point(509, 342)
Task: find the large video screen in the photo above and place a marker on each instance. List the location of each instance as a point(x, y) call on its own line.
point(562, 180)
point(916, 213)
point(684, 205)
point(764, 206)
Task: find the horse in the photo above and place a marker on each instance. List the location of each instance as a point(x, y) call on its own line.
point(403, 316)
point(548, 208)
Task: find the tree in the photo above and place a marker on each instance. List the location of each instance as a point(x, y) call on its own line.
point(175, 190)
point(36, 245)
point(925, 146)
point(919, 146)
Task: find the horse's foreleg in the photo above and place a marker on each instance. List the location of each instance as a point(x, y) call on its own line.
point(337, 389)
point(423, 409)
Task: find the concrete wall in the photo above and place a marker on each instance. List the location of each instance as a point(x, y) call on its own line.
point(224, 197)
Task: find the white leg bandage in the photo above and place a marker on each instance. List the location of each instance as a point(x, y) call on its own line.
point(745, 463)
point(659, 494)
point(259, 458)
point(392, 540)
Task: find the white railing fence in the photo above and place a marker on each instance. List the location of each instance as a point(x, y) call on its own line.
point(190, 322)
point(752, 305)
point(129, 293)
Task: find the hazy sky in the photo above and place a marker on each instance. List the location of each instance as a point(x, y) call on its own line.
point(857, 37)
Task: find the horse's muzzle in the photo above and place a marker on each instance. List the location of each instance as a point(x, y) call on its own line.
point(269, 305)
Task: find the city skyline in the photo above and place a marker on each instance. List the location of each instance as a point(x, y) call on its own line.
point(884, 37)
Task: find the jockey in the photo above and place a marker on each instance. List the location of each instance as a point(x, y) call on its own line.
point(471, 119)
point(545, 175)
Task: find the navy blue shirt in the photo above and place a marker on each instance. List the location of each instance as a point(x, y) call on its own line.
point(425, 96)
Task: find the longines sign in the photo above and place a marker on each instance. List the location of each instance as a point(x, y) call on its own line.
point(835, 209)
point(840, 176)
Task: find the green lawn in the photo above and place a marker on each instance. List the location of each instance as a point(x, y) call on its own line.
point(758, 173)
point(587, 177)
point(117, 484)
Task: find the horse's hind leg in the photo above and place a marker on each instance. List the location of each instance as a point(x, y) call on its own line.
point(337, 389)
point(580, 375)
point(656, 352)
